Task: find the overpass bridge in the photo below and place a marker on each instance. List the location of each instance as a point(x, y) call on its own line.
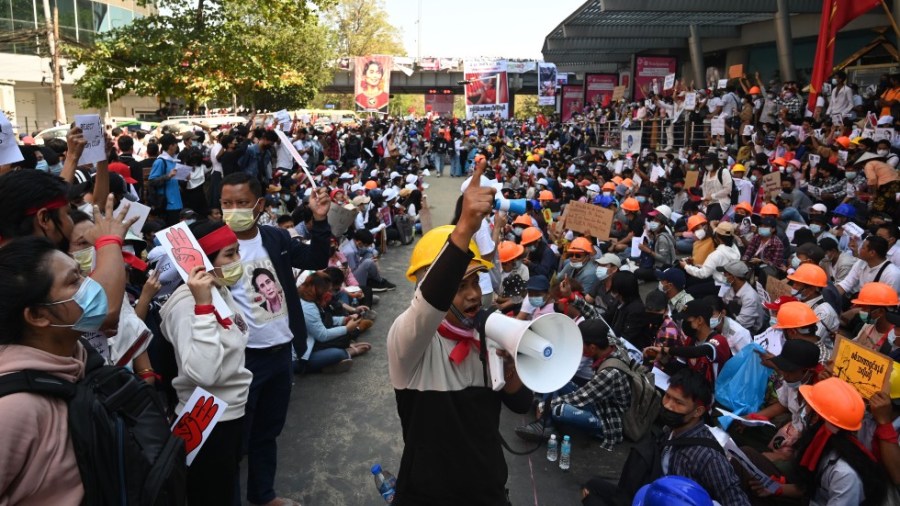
point(423, 82)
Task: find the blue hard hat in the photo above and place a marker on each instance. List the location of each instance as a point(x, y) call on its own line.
point(845, 210)
point(412, 132)
point(672, 491)
point(603, 200)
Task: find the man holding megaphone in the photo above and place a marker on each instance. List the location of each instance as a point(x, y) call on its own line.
point(449, 413)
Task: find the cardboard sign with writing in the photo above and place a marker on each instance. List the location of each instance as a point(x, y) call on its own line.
point(690, 101)
point(777, 287)
point(772, 183)
point(866, 370)
point(340, 218)
point(736, 71)
point(92, 129)
point(196, 421)
point(588, 219)
point(618, 93)
point(135, 209)
point(690, 178)
point(717, 126)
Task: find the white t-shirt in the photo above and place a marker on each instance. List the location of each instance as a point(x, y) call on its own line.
point(283, 158)
point(261, 298)
point(486, 246)
point(213, 157)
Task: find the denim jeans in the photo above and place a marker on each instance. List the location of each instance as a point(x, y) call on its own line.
point(684, 245)
point(586, 419)
point(366, 271)
point(321, 359)
point(266, 411)
point(455, 166)
point(438, 161)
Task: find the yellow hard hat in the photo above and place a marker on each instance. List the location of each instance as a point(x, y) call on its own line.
point(431, 244)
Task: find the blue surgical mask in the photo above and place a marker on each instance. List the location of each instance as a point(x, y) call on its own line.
point(56, 169)
point(714, 322)
point(602, 273)
point(43, 166)
point(793, 384)
point(815, 228)
point(641, 199)
point(537, 302)
point(795, 262)
point(765, 232)
point(91, 298)
point(850, 175)
point(864, 316)
point(654, 225)
point(773, 321)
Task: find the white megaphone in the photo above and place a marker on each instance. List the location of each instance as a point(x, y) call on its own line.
point(516, 206)
point(546, 350)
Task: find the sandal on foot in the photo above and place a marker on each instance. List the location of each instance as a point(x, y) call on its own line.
point(357, 349)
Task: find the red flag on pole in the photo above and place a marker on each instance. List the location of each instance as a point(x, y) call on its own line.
point(835, 15)
point(428, 129)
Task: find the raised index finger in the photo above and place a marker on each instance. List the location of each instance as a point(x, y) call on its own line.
point(480, 163)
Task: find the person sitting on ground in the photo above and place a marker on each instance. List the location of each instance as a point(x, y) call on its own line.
point(538, 301)
point(671, 283)
point(598, 406)
point(364, 268)
point(513, 278)
point(807, 282)
point(742, 299)
point(606, 267)
point(874, 301)
point(330, 346)
point(579, 266)
point(706, 278)
point(540, 259)
point(628, 322)
point(668, 331)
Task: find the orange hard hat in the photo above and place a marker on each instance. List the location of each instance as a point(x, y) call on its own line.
point(581, 245)
point(810, 274)
point(695, 221)
point(836, 401)
point(843, 142)
point(779, 161)
point(628, 182)
point(510, 251)
point(537, 158)
point(523, 220)
point(754, 90)
point(770, 210)
point(610, 186)
point(795, 315)
point(530, 235)
point(876, 294)
point(617, 179)
point(370, 185)
point(745, 206)
point(545, 195)
point(631, 204)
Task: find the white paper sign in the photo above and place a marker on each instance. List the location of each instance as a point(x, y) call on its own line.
point(185, 252)
point(197, 420)
point(636, 246)
point(9, 150)
point(182, 172)
point(92, 129)
point(660, 379)
point(657, 173)
point(853, 229)
point(284, 120)
point(735, 453)
point(722, 84)
point(748, 130)
point(135, 209)
point(792, 228)
point(286, 144)
point(690, 101)
point(669, 83)
point(745, 421)
point(814, 160)
point(717, 126)
point(772, 339)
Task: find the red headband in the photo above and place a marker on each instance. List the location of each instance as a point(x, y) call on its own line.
point(53, 204)
point(216, 240)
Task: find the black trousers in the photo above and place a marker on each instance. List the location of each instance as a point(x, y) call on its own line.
point(213, 474)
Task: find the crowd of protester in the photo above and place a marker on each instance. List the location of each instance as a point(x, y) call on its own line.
point(699, 233)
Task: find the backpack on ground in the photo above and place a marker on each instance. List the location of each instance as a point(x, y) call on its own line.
point(645, 399)
point(126, 453)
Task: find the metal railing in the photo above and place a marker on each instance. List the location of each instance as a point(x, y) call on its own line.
point(657, 134)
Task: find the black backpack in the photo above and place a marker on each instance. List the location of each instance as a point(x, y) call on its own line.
point(126, 453)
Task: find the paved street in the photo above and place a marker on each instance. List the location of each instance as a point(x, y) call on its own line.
point(338, 426)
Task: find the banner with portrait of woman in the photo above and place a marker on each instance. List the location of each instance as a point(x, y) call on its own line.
point(487, 92)
point(372, 87)
point(546, 83)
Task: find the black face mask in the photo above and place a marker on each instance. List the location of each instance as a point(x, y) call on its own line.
point(64, 244)
point(671, 419)
point(654, 320)
point(787, 190)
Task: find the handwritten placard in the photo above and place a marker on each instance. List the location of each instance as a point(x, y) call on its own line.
point(669, 82)
point(690, 178)
point(777, 288)
point(717, 126)
point(197, 420)
point(771, 182)
point(588, 219)
point(690, 101)
point(866, 370)
point(92, 129)
point(340, 218)
point(814, 160)
point(618, 93)
point(9, 150)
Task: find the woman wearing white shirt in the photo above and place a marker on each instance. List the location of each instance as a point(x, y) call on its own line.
point(209, 351)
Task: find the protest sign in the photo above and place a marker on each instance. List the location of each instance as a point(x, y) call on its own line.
point(486, 88)
point(286, 144)
point(744, 421)
point(185, 252)
point(546, 84)
point(284, 120)
point(737, 455)
point(814, 160)
point(372, 82)
point(669, 82)
point(385, 213)
point(9, 150)
point(748, 130)
point(690, 101)
point(631, 141)
point(92, 129)
point(717, 126)
point(772, 183)
point(135, 209)
point(197, 420)
point(660, 379)
point(722, 84)
point(777, 288)
point(588, 219)
point(618, 93)
point(771, 340)
point(792, 228)
point(340, 218)
point(883, 134)
point(182, 172)
point(736, 71)
point(853, 229)
point(866, 370)
point(690, 178)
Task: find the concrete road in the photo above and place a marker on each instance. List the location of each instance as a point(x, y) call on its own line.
point(339, 425)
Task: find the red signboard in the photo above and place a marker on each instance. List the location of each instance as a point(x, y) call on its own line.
point(572, 101)
point(650, 72)
point(598, 88)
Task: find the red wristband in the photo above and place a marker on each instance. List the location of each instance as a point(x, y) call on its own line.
point(106, 240)
point(886, 432)
point(150, 374)
point(204, 309)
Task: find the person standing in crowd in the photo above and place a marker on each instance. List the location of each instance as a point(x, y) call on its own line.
point(163, 184)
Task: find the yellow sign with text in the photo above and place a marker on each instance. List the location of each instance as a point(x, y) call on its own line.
point(868, 371)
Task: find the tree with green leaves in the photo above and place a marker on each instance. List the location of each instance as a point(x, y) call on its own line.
point(263, 53)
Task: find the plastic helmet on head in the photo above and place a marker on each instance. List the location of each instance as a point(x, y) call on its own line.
point(631, 204)
point(695, 221)
point(795, 315)
point(531, 235)
point(672, 491)
point(523, 220)
point(581, 245)
point(876, 294)
point(836, 402)
point(845, 210)
point(509, 250)
point(431, 244)
point(770, 210)
point(810, 274)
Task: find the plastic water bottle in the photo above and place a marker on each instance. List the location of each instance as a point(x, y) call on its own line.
point(552, 449)
point(385, 483)
point(565, 454)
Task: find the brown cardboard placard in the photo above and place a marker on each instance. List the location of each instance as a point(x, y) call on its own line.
point(588, 219)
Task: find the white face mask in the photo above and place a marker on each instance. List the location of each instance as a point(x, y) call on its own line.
point(700, 234)
point(661, 287)
point(577, 265)
point(883, 152)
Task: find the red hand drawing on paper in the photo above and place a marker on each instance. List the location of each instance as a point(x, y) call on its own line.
point(191, 425)
point(183, 252)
